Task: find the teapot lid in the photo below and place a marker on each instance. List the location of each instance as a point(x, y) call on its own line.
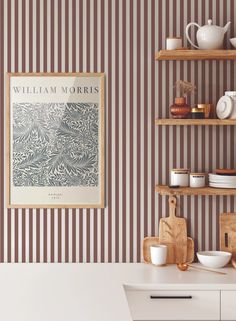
point(209, 21)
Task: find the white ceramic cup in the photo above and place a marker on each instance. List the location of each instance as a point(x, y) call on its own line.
point(158, 254)
point(173, 43)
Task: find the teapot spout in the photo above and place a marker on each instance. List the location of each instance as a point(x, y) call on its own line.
point(226, 27)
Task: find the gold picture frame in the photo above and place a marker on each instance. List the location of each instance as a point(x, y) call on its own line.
point(36, 158)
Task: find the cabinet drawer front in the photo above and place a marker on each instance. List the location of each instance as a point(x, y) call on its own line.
point(174, 305)
point(228, 301)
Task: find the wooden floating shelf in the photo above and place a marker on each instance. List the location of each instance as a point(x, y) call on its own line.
point(166, 190)
point(198, 122)
point(196, 55)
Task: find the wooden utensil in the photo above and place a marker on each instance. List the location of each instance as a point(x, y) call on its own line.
point(185, 266)
point(228, 232)
point(173, 231)
point(149, 241)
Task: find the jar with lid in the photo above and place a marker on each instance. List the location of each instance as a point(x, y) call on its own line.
point(226, 106)
point(197, 113)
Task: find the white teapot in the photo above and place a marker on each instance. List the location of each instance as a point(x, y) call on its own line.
point(208, 36)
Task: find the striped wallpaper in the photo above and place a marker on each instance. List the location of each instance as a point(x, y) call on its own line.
point(119, 37)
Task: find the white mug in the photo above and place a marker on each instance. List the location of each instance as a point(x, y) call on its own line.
point(158, 254)
point(173, 43)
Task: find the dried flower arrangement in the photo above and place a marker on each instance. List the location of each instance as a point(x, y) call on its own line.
point(184, 88)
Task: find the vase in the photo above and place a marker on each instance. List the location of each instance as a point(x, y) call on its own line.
point(180, 109)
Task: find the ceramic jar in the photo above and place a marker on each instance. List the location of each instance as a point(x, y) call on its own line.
point(226, 106)
point(180, 177)
point(197, 113)
point(197, 180)
point(173, 43)
point(180, 109)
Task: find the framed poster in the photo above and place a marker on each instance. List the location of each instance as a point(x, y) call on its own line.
point(55, 140)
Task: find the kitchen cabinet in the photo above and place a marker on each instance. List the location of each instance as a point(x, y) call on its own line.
point(228, 305)
point(174, 305)
point(182, 305)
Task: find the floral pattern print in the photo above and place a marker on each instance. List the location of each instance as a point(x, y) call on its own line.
point(55, 144)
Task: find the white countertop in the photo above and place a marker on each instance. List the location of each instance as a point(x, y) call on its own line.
point(91, 292)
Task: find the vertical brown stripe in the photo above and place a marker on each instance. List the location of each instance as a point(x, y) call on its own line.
point(37, 235)
point(66, 235)
point(52, 234)
point(95, 235)
point(16, 235)
point(8, 36)
point(95, 28)
point(131, 176)
point(80, 235)
point(138, 126)
point(45, 27)
point(81, 32)
point(52, 34)
point(73, 235)
point(117, 174)
point(124, 133)
point(9, 235)
point(145, 121)
point(2, 29)
point(210, 223)
point(23, 36)
point(102, 236)
point(16, 35)
point(59, 235)
point(88, 35)
point(23, 236)
point(59, 35)
point(109, 122)
point(203, 222)
point(45, 234)
point(31, 36)
point(67, 36)
point(87, 235)
point(74, 33)
point(168, 103)
point(38, 36)
point(102, 35)
point(30, 235)
point(153, 89)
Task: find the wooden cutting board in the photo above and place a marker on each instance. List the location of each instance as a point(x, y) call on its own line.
point(228, 232)
point(173, 231)
point(149, 241)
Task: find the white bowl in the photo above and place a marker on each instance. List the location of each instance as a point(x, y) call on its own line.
point(233, 42)
point(214, 259)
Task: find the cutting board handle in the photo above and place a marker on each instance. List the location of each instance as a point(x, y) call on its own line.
point(172, 203)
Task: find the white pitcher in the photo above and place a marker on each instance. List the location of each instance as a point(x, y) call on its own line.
point(209, 36)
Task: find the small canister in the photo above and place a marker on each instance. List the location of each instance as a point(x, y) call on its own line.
point(197, 113)
point(180, 177)
point(173, 43)
point(207, 109)
point(197, 179)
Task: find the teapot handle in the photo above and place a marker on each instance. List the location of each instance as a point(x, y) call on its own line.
point(187, 33)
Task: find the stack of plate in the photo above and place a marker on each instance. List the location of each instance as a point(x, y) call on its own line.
point(222, 181)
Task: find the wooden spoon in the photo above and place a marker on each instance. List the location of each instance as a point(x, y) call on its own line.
point(185, 266)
